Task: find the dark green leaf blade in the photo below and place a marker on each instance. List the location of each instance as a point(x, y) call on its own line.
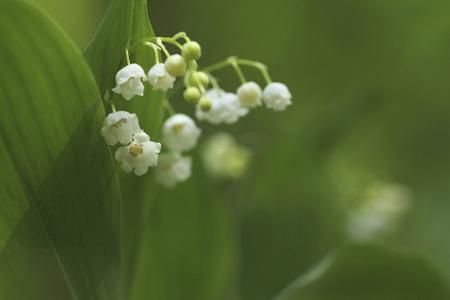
point(59, 223)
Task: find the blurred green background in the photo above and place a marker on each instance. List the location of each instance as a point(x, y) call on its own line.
point(370, 81)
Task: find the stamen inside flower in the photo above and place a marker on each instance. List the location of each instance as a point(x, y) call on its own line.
point(136, 150)
point(176, 128)
point(119, 123)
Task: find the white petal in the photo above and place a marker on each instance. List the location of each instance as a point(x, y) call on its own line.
point(126, 167)
point(131, 70)
point(108, 136)
point(140, 170)
point(117, 90)
point(276, 96)
point(159, 78)
point(173, 168)
point(119, 127)
point(180, 133)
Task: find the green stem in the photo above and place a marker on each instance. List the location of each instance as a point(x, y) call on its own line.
point(113, 107)
point(255, 64)
point(235, 62)
point(127, 56)
point(164, 49)
point(217, 66)
point(181, 35)
point(155, 49)
point(169, 107)
point(213, 80)
point(154, 39)
point(266, 75)
point(172, 42)
point(238, 71)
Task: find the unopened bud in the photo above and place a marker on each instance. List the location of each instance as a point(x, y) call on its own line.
point(205, 103)
point(175, 65)
point(197, 78)
point(192, 95)
point(192, 51)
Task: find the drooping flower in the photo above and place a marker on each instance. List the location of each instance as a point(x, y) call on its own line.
point(119, 127)
point(139, 155)
point(223, 157)
point(249, 94)
point(159, 78)
point(225, 108)
point(276, 96)
point(173, 168)
point(180, 133)
point(129, 81)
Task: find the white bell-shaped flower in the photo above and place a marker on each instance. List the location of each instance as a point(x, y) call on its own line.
point(175, 65)
point(276, 96)
point(159, 78)
point(119, 127)
point(225, 108)
point(139, 155)
point(224, 157)
point(129, 81)
point(180, 133)
point(173, 168)
point(249, 94)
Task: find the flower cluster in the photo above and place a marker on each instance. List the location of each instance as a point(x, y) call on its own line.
point(180, 133)
point(138, 152)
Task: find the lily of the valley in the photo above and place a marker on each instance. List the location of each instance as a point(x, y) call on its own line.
point(173, 168)
point(225, 108)
point(159, 78)
point(276, 96)
point(180, 133)
point(119, 127)
point(129, 81)
point(139, 155)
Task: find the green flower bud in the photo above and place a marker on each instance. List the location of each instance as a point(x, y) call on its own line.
point(191, 51)
point(175, 65)
point(199, 78)
point(192, 95)
point(205, 103)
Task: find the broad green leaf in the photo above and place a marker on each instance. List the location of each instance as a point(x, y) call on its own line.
point(189, 248)
point(369, 272)
point(59, 195)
